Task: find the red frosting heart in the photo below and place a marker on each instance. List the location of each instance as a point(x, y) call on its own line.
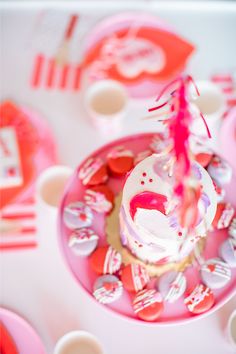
point(148, 200)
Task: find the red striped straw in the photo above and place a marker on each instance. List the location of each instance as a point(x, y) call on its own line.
point(77, 74)
point(37, 70)
point(50, 73)
point(71, 26)
point(64, 76)
point(23, 232)
point(18, 245)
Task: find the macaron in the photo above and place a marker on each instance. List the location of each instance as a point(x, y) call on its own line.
point(232, 228)
point(83, 241)
point(134, 277)
point(215, 273)
point(204, 158)
point(99, 198)
point(172, 286)
point(224, 215)
point(93, 172)
point(77, 215)
point(220, 170)
point(200, 300)
point(227, 252)
point(105, 260)
point(107, 289)
point(148, 305)
point(120, 161)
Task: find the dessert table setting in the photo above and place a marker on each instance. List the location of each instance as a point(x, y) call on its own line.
point(117, 177)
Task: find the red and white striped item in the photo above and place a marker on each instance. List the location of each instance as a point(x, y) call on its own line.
point(56, 72)
point(227, 84)
point(18, 226)
point(50, 75)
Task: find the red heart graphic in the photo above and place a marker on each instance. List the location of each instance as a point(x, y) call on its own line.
point(175, 49)
point(148, 200)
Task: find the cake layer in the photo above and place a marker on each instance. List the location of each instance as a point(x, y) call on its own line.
point(148, 215)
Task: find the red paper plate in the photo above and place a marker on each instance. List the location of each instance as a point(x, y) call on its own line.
point(36, 149)
point(173, 313)
point(139, 50)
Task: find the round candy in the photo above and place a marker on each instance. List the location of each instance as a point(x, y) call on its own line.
point(220, 170)
point(93, 172)
point(107, 289)
point(105, 260)
point(200, 300)
point(99, 198)
point(215, 273)
point(224, 215)
point(148, 304)
point(227, 252)
point(83, 241)
point(120, 161)
point(172, 286)
point(77, 215)
point(134, 277)
point(232, 229)
point(204, 158)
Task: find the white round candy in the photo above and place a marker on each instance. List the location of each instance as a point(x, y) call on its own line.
point(172, 286)
point(77, 215)
point(83, 241)
point(107, 289)
point(215, 273)
point(227, 252)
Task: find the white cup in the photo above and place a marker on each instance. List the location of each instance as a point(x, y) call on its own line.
point(50, 186)
point(49, 190)
point(78, 342)
point(211, 101)
point(106, 103)
point(231, 330)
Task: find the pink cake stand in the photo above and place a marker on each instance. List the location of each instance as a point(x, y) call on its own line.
point(25, 338)
point(79, 266)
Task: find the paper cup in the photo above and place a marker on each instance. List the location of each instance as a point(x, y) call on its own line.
point(231, 330)
point(106, 103)
point(78, 342)
point(211, 103)
point(50, 186)
point(49, 190)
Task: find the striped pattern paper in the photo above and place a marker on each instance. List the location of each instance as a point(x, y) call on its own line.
point(18, 226)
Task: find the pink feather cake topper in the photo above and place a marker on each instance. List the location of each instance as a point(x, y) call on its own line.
point(178, 123)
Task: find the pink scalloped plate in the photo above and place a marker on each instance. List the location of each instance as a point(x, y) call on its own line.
point(25, 338)
point(173, 313)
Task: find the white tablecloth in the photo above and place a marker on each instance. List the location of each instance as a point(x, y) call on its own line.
point(37, 283)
